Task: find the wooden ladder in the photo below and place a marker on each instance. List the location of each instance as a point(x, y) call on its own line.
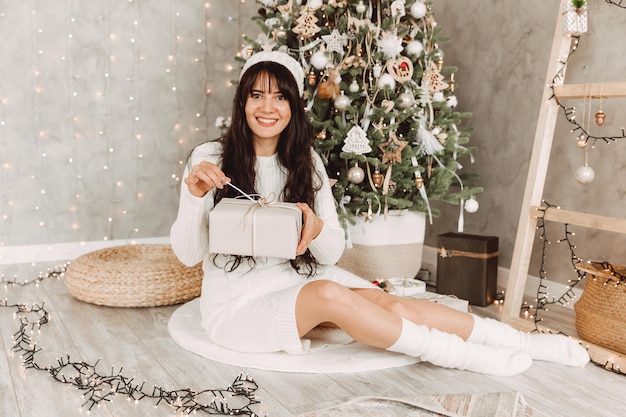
point(531, 205)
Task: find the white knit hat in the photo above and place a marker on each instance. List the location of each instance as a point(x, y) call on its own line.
point(280, 58)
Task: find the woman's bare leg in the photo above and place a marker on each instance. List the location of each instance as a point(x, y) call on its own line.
point(433, 315)
point(361, 315)
point(325, 301)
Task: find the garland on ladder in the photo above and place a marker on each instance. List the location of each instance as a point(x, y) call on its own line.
point(98, 387)
point(543, 301)
point(617, 3)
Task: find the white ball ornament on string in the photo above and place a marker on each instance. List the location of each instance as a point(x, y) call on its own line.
point(386, 80)
point(319, 60)
point(418, 10)
point(414, 48)
point(342, 102)
point(354, 87)
point(361, 8)
point(406, 100)
point(451, 102)
point(585, 175)
point(471, 205)
point(356, 175)
point(438, 97)
point(390, 45)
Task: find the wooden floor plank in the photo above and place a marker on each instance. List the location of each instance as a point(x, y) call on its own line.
point(138, 341)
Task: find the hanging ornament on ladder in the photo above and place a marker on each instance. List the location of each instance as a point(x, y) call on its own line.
point(585, 174)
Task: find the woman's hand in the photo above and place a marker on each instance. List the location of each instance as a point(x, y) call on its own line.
point(311, 228)
point(204, 177)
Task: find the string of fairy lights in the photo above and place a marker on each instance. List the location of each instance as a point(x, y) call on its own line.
point(104, 89)
point(617, 3)
point(569, 111)
point(98, 387)
point(543, 300)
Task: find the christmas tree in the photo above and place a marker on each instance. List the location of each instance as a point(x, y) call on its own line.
point(380, 99)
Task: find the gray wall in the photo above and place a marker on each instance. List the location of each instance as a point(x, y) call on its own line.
point(86, 88)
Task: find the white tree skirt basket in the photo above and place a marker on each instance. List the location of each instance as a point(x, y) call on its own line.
point(386, 248)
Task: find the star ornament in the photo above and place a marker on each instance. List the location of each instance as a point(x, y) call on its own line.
point(335, 41)
point(392, 149)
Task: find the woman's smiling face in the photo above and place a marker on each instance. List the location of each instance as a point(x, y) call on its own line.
point(268, 112)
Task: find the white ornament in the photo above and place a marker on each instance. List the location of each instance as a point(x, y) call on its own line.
point(451, 102)
point(354, 87)
point(335, 41)
point(356, 141)
point(406, 100)
point(471, 205)
point(414, 48)
point(356, 175)
point(319, 60)
point(390, 45)
point(386, 80)
point(342, 102)
point(585, 174)
point(315, 4)
point(361, 8)
point(418, 10)
point(438, 97)
point(397, 8)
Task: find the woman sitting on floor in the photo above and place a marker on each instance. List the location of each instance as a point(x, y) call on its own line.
point(269, 304)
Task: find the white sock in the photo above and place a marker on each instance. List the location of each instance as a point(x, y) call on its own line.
point(555, 348)
point(450, 351)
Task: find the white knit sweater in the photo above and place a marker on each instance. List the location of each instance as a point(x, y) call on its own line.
point(189, 233)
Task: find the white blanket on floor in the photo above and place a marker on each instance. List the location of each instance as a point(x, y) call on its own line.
point(332, 351)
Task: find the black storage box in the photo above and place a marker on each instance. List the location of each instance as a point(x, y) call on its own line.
point(467, 267)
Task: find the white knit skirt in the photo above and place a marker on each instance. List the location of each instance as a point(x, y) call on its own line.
point(253, 309)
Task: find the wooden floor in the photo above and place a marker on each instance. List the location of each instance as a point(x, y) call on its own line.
point(134, 345)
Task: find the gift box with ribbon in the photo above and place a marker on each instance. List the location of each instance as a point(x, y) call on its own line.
point(467, 267)
point(250, 227)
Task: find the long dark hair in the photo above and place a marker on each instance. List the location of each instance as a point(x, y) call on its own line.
point(293, 150)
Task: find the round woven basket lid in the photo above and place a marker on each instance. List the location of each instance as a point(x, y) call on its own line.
point(145, 275)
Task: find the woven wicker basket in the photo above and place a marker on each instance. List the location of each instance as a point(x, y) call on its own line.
point(133, 276)
point(383, 262)
point(601, 310)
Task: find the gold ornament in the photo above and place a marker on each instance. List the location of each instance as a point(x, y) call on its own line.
point(312, 78)
point(452, 83)
point(392, 149)
point(600, 117)
point(419, 182)
point(378, 178)
point(581, 142)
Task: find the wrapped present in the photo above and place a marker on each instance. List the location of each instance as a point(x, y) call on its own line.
point(467, 267)
point(574, 17)
point(255, 228)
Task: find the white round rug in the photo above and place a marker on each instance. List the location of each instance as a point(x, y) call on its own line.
point(332, 350)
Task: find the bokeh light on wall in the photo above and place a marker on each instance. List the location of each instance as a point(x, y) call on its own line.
point(99, 109)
